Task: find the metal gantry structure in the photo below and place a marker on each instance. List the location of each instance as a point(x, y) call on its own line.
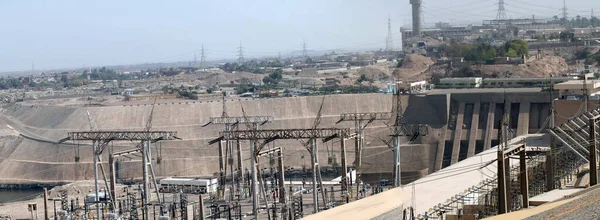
point(400, 128)
point(268, 136)
point(361, 121)
point(232, 123)
point(100, 140)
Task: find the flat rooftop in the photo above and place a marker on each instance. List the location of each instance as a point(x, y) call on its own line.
point(482, 90)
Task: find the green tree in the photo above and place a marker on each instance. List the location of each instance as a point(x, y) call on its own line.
point(520, 48)
point(361, 79)
point(511, 53)
point(583, 53)
point(567, 36)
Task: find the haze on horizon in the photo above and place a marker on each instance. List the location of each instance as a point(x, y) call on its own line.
point(72, 34)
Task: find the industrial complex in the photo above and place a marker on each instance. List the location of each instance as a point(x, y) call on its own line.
point(494, 120)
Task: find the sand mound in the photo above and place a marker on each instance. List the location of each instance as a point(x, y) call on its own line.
point(414, 67)
point(375, 72)
point(545, 67)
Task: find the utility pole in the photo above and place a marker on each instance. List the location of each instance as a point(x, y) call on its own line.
point(254, 186)
point(502, 164)
point(593, 155)
point(46, 217)
point(240, 54)
point(550, 153)
point(97, 192)
point(315, 169)
point(145, 156)
point(585, 93)
point(592, 20)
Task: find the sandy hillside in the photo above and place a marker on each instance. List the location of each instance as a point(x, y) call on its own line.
point(414, 67)
point(375, 72)
point(545, 67)
point(226, 78)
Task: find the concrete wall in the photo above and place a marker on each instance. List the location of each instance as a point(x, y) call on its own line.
point(26, 161)
point(468, 137)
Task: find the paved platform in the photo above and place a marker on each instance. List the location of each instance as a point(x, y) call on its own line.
point(553, 195)
point(431, 190)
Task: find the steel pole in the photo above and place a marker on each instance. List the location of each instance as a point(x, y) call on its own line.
point(254, 179)
point(230, 160)
point(361, 145)
point(97, 200)
point(344, 169)
point(46, 217)
point(397, 170)
point(315, 161)
point(240, 162)
point(221, 171)
point(146, 188)
point(281, 178)
point(592, 157)
point(112, 177)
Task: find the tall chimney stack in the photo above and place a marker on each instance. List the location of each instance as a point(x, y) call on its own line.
point(416, 16)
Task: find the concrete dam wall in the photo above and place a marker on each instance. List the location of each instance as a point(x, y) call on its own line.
point(25, 160)
point(461, 124)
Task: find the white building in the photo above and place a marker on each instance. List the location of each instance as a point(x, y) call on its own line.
point(412, 87)
point(466, 82)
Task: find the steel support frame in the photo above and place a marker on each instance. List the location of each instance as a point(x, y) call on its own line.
point(372, 116)
point(241, 120)
point(294, 134)
point(121, 135)
point(285, 134)
point(100, 140)
point(359, 120)
point(504, 177)
point(231, 123)
point(593, 156)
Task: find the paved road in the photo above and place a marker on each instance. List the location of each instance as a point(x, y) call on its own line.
point(21, 129)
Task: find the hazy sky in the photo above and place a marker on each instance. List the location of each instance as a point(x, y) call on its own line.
point(76, 33)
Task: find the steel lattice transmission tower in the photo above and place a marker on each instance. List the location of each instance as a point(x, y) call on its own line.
point(565, 11)
point(389, 41)
point(240, 53)
point(501, 10)
point(304, 52)
point(202, 58)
